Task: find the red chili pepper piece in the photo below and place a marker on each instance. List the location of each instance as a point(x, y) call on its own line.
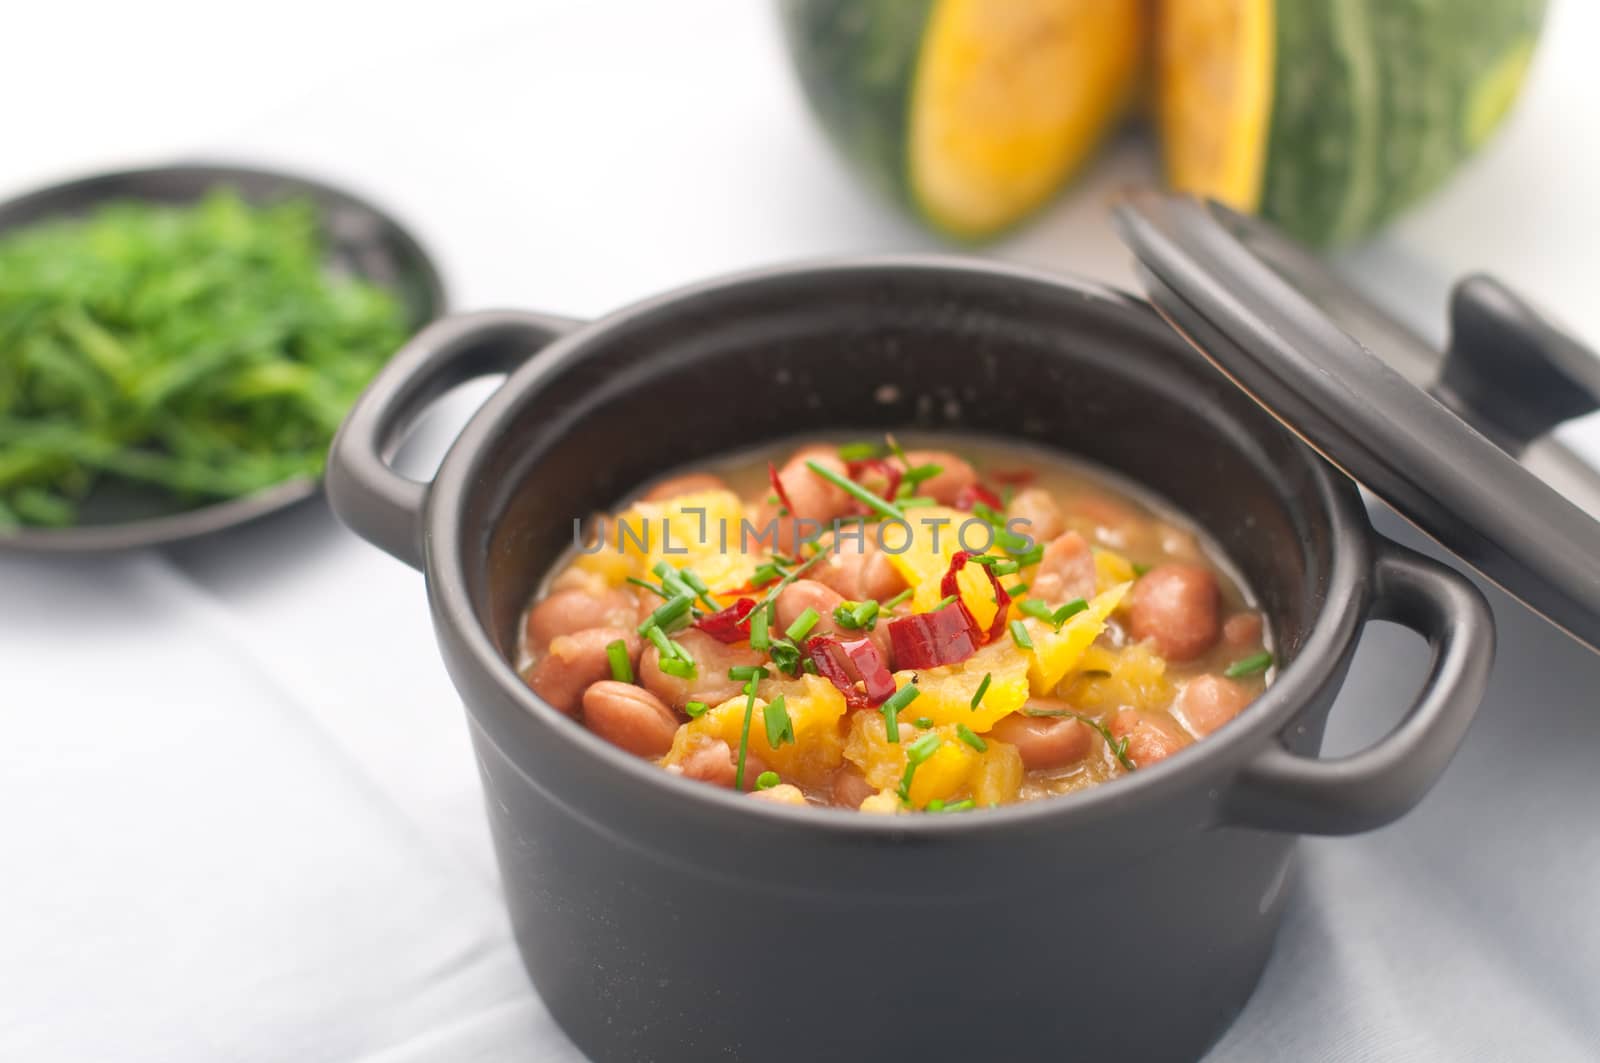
point(834, 665)
point(777, 486)
point(951, 585)
point(972, 494)
point(872, 669)
point(927, 640)
point(726, 625)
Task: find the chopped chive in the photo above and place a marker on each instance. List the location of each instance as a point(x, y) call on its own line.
point(915, 502)
point(916, 753)
point(904, 696)
point(746, 672)
point(698, 585)
point(955, 806)
point(654, 588)
point(788, 578)
point(865, 614)
point(1117, 746)
point(1036, 609)
point(1028, 557)
point(983, 688)
point(674, 609)
point(759, 639)
point(844, 615)
point(947, 600)
point(696, 709)
point(891, 721)
point(1066, 612)
point(924, 722)
point(1005, 567)
point(1255, 664)
point(1019, 635)
point(970, 737)
point(802, 624)
point(744, 732)
point(765, 573)
point(780, 728)
point(679, 652)
point(809, 666)
point(857, 492)
point(916, 474)
point(767, 780)
point(1139, 570)
point(897, 599)
point(859, 451)
point(1020, 588)
point(786, 655)
point(663, 644)
point(674, 667)
point(936, 805)
point(621, 667)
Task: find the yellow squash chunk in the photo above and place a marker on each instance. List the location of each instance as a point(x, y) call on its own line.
point(1111, 568)
point(946, 775)
point(815, 707)
point(1215, 68)
point(1055, 653)
point(1135, 677)
point(946, 692)
point(1008, 99)
point(699, 531)
point(997, 777)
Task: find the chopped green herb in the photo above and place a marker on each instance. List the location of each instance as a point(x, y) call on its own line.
point(857, 492)
point(947, 600)
point(1139, 570)
point(955, 806)
point(916, 474)
point(617, 656)
point(1255, 664)
point(859, 451)
point(891, 721)
point(764, 574)
point(696, 709)
point(904, 696)
point(923, 722)
point(675, 667)
point(1035, 608)
point(865, 614)
point(744, 732)
point(654, 588)
point(698, 585)
point(780, 728)
point(983, 688)
point(767, 780)
point(672, 580)
point(759, 639)
point(970, 737)
point(916, 753)
point(897, 599)
point(1019, 635)
point(936, 805)
point(746, 672)
point(1029, 557)
point(803, 624)
point(665, 646)
point(668, 613)
point(1020, 588)
point(1066, 612)
point(786, 655)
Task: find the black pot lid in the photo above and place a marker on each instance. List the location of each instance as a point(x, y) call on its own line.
point(1459, 442)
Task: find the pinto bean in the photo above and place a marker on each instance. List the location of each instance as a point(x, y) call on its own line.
point(954, 474)
point(1045, 741)
point(1065, 572)
point(1038, 509)
point(629, 718)
point(574, 661)
point(1206, 702)
point(717, 763)
point(849, 787)
point(814, 498)
point(572, 610)
point(782, 794)
point(1241, 631)
point(1150, 737)
point(688, 484)
point(860, 574)
point(1114, 523)
point(712, 659)
point(1175, 607)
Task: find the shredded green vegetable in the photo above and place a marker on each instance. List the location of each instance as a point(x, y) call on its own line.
point(205, 350)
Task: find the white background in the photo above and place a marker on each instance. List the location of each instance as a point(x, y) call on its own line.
point(238, 815)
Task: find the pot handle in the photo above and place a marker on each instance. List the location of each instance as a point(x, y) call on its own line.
point(374, 501)
point(1280, 790)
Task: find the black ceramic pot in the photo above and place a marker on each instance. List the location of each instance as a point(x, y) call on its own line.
point(664, 920)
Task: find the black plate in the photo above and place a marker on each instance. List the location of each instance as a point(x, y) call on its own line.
point(363, 240)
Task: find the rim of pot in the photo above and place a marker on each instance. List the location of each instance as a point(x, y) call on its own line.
point(1299, 683)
